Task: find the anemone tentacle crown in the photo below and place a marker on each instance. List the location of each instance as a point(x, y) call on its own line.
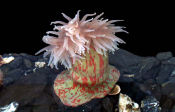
point(75, 37)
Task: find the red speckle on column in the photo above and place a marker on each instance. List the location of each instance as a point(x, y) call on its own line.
point(85, 80)
point(90, 62)
point(79, 66)
point(74, 85)
point(75, 69)
point(85, 69)
point(78, 100)
point(101, 65)
point(94, 64)
point(74, 101)
point(83, 88)
point(90, 91)
point(72, 74)
point(86, 64)
point(93, 80)
point(76, 77)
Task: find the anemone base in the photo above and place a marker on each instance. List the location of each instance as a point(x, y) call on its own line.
point(74, 94)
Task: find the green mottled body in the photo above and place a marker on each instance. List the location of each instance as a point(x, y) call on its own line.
point(89, 78)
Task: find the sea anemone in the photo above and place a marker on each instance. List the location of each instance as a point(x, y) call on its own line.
point(69, 41)
point(82, 46)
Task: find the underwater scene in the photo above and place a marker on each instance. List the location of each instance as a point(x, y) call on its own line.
point(83, 69)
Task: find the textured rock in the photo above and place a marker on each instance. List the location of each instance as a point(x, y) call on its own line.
point(173, 109)
point(16, 63)
point(107, 104)
point(12, 76)
point(149, 68)
point(127, 63)
point(150, 104)
point(168, 88)
point(164, 55)
point(24, 90)
point(167, 105)
point(164, 73)
point(27, 63)
point(32, 87)
point(171, 61)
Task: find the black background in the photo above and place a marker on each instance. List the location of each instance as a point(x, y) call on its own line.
point(150, 26)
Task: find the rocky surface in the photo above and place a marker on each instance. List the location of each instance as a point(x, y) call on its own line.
point(31, 86)
point(150, 104)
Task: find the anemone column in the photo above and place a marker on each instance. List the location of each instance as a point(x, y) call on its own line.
point(91, 77)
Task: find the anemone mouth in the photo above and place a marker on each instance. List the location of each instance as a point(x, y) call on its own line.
point(72, 39)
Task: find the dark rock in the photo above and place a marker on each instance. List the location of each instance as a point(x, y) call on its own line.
point(167, 105)
point(24, 89)
point(127, 63)
point(29, 57)
point(149, 68)
point(7, 81)
point(123, 59)
point(164, 73)
point(156, 91)
point(148, 85)
point(45, 108)
point(42, 100)
point(12, 76)
point(26, 108)
point(5, 69)
point(164, 55)
point(168, 88)
point(173, 109)
point(27, 63)
point(16, 63)
point(94, 105)
point(107, 104)
point(15, 74)
point(172, 73)
point(170, 61)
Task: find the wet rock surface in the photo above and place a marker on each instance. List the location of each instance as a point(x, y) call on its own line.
point(150, 104)
point(31, 86)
